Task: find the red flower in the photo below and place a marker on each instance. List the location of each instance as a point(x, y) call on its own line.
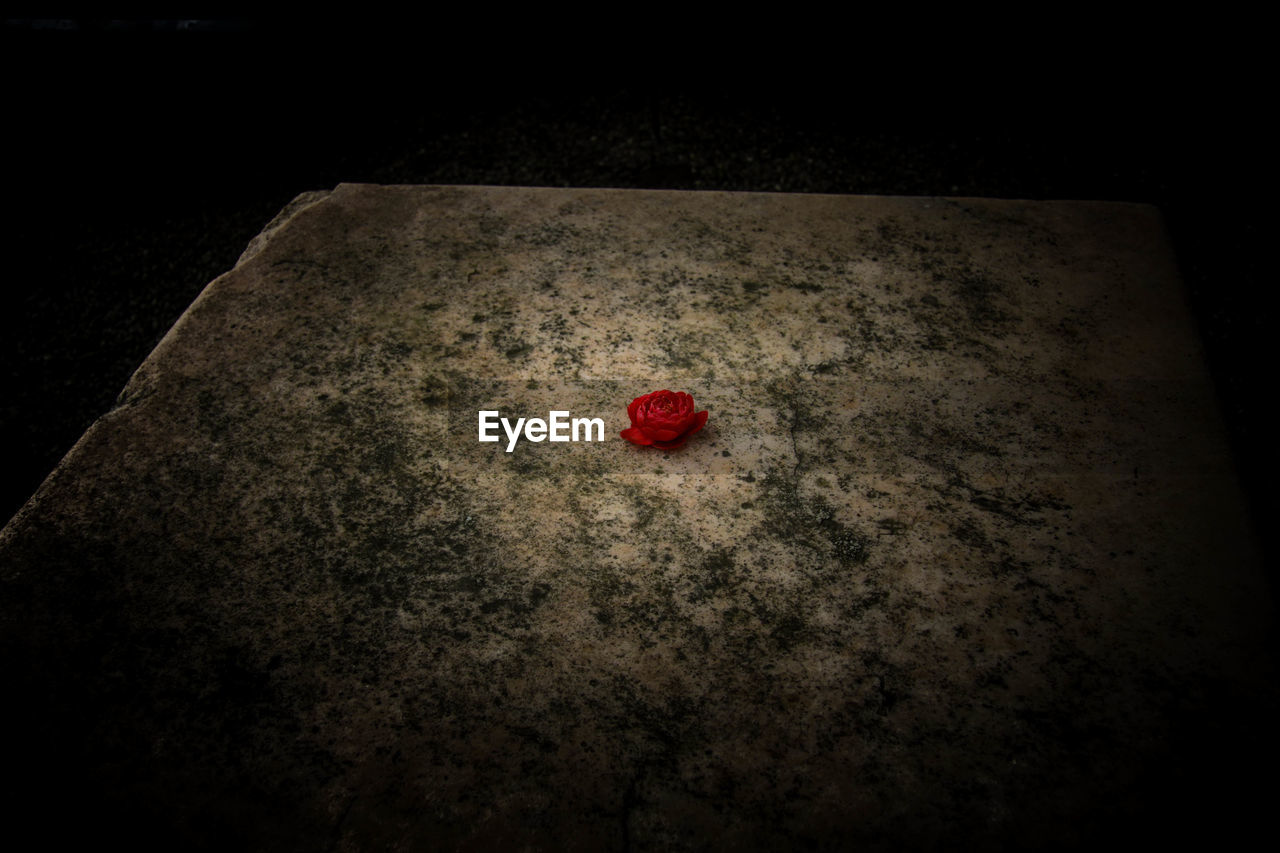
point(663, 419)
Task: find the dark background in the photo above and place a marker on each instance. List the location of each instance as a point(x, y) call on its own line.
point(142, 155)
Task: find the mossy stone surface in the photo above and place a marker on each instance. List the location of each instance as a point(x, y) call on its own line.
point(957, 557)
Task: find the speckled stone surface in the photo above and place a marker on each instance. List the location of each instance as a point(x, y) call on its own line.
point(957, 548)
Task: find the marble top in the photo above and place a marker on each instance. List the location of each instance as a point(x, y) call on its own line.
point(959, 539)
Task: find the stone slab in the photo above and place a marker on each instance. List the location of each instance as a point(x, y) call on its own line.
point(957, 555)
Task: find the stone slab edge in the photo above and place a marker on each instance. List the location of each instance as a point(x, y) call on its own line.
point(132, 389)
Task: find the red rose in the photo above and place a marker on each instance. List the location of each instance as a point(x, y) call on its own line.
point(663, 419)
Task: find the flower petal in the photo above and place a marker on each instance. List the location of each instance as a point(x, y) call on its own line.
point(661, 433)
point(636, 436)
point(663, 422)
point(634, 408)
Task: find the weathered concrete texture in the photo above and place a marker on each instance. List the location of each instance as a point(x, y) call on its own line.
point(957, 558)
